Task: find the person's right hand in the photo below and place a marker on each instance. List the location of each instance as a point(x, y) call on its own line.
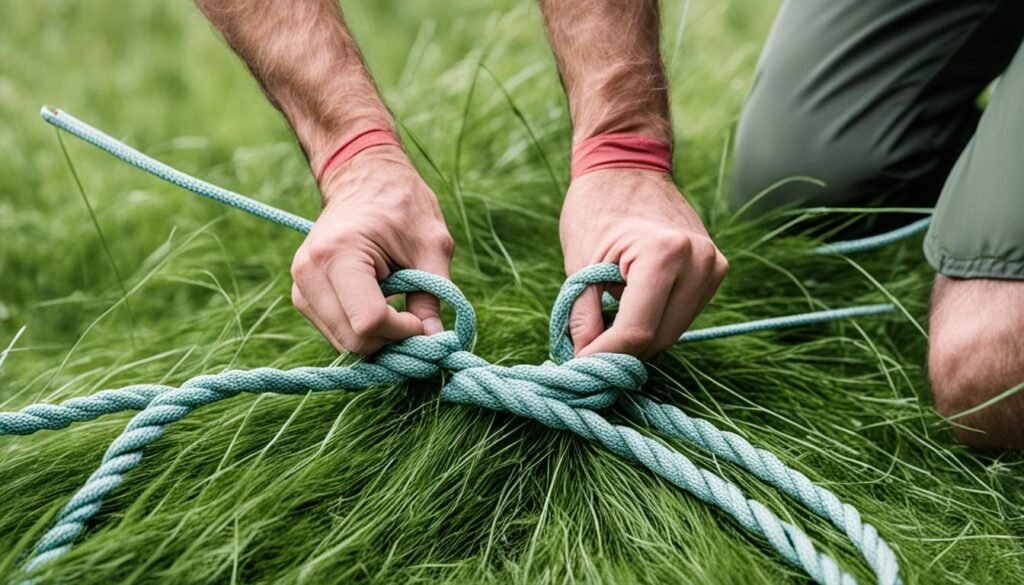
point(378, 216)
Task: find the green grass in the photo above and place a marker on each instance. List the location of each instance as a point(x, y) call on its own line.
point(388, 484)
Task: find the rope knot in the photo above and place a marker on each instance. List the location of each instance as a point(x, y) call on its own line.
point(423, 356)
point(591, 382)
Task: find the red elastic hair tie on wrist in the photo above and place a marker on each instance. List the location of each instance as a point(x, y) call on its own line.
point(621, 151)
point(355, 145)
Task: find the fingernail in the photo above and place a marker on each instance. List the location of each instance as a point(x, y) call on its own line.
point(432, 325)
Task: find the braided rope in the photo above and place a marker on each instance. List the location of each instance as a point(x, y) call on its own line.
point(562, 394)
point(111, 145)
point(873, 242)
point(38, 417)
point(771, 470)
point(785, 322)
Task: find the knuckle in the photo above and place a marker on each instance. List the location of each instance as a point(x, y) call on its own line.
point(322, 251)
point(706, 255)
point(445, 244)
point(707, 259)
point(298, 300)
point(584, 321)
point(368, 321)
point(702, 247)
point(671, 243)
point(635, 337)
point(721, 266)
point(300, 265)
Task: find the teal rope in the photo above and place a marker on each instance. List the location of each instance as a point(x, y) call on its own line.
point(115, 147)
point(785, 322)
point(38, 417)
point(873, 242)
point(52, 417)
point(562, 394)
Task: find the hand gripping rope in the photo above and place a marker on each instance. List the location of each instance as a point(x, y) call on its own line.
point(563, 394)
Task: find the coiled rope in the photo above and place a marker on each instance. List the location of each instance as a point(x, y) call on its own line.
point(562, 394)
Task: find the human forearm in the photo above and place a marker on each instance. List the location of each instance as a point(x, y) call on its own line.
point(609, 59)
point(378, 212)
point(308, 64)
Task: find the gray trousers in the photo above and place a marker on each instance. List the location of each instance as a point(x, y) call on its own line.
point(878, 100)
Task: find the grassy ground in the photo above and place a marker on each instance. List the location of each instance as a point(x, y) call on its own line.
point(389, 485)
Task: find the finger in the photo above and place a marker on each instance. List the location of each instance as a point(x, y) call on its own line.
point(684, 303)
point(692, 291)
point(368, 314)
point(696, 284)
point(302, 304)
point(426, 306)
point(719, 270)
point(324, 301)
point(324, 311)
point(643, 301)
point(585, 321)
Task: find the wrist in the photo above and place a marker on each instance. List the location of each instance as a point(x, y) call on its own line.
point(365, 174)
point(322, 134)
point(646, 124)
point(621, 151)
point(366, 141)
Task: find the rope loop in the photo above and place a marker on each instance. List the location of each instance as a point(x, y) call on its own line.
point(561, 344)
point(593, 382)
point(406, 281)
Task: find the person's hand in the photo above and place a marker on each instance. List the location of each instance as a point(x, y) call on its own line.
point(378, 216)
point(638, 220)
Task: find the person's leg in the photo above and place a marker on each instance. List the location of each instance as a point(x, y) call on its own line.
point(875, 98)
point(976, 353)
point(976, 243)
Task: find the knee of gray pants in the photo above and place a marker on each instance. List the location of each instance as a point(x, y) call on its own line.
point(786, 155)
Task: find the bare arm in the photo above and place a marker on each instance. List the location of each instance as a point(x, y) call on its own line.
point(609, 59)
point(308, 64)
point(378, 213)
point(610, 63)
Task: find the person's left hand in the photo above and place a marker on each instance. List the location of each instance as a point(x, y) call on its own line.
point(639, 220)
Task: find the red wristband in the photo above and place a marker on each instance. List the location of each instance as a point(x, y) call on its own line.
point(355, 145)
point(621, 151)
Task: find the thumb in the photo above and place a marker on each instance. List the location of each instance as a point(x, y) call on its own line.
point(425, 305)
point(428, 309)
point(585, 321)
